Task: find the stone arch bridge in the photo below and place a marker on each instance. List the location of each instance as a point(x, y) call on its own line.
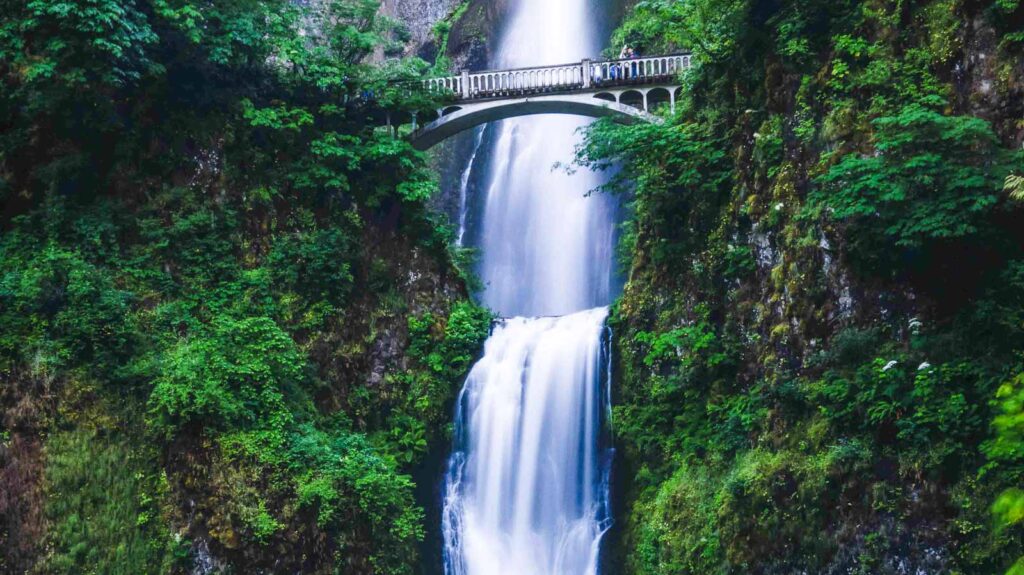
point(627, 90)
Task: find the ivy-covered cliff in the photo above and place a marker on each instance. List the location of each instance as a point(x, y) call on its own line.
point(820, 341)
point(230, 330)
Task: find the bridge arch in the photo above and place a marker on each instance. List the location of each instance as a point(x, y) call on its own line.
point(633, 98)
point(657, 97)
point(472, 115)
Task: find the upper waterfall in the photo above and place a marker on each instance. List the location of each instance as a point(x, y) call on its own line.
point(547, 248)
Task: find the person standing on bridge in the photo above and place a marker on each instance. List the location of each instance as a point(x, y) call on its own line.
point(613, 69)
point(632, 54)
point(631, 68)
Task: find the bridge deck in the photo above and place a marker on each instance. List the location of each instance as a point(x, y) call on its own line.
point(623, 89)
point(586, 75)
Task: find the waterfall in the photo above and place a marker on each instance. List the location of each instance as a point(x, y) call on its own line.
point(526, 494)
point(547, 248)
point(526, 489)
point(464, 186)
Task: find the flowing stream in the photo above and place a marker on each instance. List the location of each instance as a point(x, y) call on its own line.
point(527, 486)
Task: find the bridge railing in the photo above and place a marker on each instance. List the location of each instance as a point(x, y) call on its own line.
point(584, 75)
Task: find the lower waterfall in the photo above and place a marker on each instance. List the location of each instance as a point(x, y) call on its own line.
point(527, 485)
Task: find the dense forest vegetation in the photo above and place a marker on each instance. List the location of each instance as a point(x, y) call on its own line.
point(231, 328)
point(820, 343)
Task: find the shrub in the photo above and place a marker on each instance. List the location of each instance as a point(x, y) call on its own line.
point(236, 375)
point(928, 177)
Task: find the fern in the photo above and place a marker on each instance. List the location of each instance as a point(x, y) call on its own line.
point(1014, 185)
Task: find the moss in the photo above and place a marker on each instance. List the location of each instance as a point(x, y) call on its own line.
point(703, 518)
point(442, 29)
point(105, 504)
point(840, 433)
point(943, 23)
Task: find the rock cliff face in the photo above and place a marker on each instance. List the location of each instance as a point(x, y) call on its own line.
point(420, 17)
point(987, 84)
point(474, 33)
point(802, 388)
point(465, 28)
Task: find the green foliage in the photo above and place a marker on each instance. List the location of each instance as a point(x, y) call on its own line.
point(686, 345)
point(77, 44)
point(931, 177)
point(739, 262)
point(196, 200)
point(1009, 508)
point(442, 352)
point(101, 512)
point(316, 265)
point(339, 473)
point(705, 517)
point(709, 27)
point(923, 409)
point(677, 534)
point(1008, 443)
point(1008, 448)
point(677, 174)
point(58, 311)
point(1014, 185)
point(234, 378)
point(823, 290)
point(279, 118)
point(667, 416)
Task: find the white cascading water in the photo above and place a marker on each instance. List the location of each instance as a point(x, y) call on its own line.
point(464, 186)
point(546, 247)
point(527, 485)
